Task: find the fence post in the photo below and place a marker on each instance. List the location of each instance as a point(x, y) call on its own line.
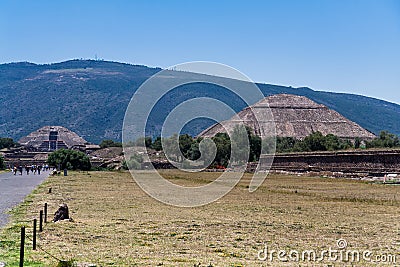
point(34, 234)
point(22, 251)
point(45, 212)
point(41, 221)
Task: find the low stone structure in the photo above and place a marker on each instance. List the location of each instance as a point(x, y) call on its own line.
point(23, 157)
point(373, 162)
point(356, 162)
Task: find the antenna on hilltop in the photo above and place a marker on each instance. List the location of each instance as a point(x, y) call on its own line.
point(95, 57)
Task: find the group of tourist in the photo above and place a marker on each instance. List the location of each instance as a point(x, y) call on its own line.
point(30, 169)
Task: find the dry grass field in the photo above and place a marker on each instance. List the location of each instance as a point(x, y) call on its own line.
point(116, 224)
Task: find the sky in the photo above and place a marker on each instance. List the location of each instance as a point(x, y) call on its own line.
point(339, 45)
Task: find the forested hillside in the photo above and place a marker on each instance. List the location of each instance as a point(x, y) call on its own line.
point(90, 97)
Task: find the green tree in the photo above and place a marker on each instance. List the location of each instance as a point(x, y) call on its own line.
point(269, 145)
point(157, 145)
point(208, 151)
point(240, 144)
point(171, 148)
point(332, 143)
point(255, 147)
point(147, 141)
point(313, 142)
point(7, 143)
point(134, 162)
point(110, 143)
point(357, 143)
point(223, 144)
point(285, 144)
point(185, 144)
point(384, 140)
point(69, 159)
point(194, 151)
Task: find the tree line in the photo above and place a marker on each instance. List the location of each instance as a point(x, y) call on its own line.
point(189, 147)
point(315, 142)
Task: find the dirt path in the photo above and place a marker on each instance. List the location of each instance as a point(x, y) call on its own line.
point(13, 190)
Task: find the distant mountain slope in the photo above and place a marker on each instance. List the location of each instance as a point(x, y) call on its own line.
point(90, 98)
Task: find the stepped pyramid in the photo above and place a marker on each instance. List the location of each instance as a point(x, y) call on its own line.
point(294, 116)
point(50, 138)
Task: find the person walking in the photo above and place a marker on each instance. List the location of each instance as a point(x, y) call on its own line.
point(20, 170)
point(27, 169)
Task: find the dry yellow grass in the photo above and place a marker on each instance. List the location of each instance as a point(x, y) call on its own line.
point(117, 224)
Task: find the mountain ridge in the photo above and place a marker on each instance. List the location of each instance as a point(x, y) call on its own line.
point(90, 97)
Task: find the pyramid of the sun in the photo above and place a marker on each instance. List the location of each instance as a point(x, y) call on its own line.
point(293, 116)
point(50, 138)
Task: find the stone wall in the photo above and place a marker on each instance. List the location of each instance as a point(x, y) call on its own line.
point(373, 162)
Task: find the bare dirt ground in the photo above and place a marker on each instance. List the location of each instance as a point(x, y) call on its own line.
point(116, 224)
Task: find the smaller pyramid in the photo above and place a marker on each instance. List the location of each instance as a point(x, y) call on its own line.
point(294, 116)
point(51, 138)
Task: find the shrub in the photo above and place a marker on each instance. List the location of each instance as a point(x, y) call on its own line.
point(69, 159)
point(110, 143)
point(134, 163)
point(7, 143)
point(384, 140)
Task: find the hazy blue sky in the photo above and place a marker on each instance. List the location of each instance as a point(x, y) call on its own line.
point(340, 46)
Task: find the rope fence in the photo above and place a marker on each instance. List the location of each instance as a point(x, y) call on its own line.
point(42, 221)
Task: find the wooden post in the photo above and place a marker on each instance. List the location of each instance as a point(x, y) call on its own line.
point(45, 212)
point(41, 221)
point(34, 234)
point(22, 248)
